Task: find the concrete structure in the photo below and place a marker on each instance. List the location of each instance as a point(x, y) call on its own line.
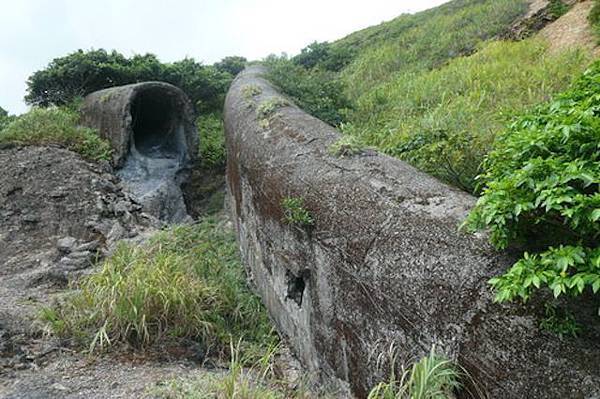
point(384, 264)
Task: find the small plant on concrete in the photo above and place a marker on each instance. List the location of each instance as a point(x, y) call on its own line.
point(294, 212)
point(250, 91)
point(346, 146)
point(432, 377)
point(560, 322)
point(268, 107)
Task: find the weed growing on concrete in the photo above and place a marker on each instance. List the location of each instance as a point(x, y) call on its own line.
point(346, 146)
point(560, 322)
point(250, 91)
point(268, 107)
point(432, 377)
point(295, 213)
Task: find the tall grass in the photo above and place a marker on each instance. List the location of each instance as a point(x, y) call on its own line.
point(424, 40)
point(186, 283)
point(43, 126)
point(444, 120)
point(432, 377)
point(239, 381)
point(212, 152)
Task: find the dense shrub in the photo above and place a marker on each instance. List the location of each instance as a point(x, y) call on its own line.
point(212, 151)
point(325, 56)
point(186, 283)
point(43, 126)
point(232, 65)
point(83, 72)
point(542, 187)
point(315, 90)
point(5, 118)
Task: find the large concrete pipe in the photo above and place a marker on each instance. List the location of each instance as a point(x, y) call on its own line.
point(383, 265)
point(151, 128)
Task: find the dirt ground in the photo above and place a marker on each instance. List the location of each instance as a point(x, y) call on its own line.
point(58, 216)
point(572, 30)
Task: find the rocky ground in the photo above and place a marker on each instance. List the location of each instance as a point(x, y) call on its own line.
point(59, 215)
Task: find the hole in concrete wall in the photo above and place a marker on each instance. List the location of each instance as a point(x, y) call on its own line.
point(158, 130)
point(296, 286)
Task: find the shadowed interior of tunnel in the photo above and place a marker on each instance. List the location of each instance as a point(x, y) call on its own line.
point(157, 123)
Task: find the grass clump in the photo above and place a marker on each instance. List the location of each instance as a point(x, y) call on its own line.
point(432, 377)
point(212, 151)
point(268, 107)
point(250, 91)
point(294, 212)
point(43, 126)
point(186, 283)
point(240, 381)
point(346, 146)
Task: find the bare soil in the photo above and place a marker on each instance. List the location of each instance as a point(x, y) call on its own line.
point(59, 215)
point(572, 30)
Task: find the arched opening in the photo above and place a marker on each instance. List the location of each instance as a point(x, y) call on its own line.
point(157, 124)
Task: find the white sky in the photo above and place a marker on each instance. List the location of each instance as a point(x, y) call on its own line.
point(33, 32)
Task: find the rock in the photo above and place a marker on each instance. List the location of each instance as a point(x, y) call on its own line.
point(383, 266)
point(66, 244)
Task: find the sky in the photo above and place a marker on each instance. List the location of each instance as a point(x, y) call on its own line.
point(33, 32)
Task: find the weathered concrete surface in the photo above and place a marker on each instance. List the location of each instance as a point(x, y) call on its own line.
point(383, 264)
point(151, 128)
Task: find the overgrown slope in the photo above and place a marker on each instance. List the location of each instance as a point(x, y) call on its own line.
point(433, 88)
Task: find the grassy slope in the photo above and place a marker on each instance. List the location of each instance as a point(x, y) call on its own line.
point(436, 87)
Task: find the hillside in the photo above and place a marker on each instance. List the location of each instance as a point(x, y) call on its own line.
point(434, 88)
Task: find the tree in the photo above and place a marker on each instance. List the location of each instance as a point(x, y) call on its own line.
point(84, 72)
point(232, 65)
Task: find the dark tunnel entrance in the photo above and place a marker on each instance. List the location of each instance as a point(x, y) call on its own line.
point(157, 124)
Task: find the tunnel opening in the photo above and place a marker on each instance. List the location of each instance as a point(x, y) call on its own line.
point(158, 126)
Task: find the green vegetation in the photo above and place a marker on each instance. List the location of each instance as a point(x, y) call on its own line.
point(594, 17)
point(255, 382)
point(83, 72)
point(432, 377)
point(294, 212)
point(44, 126)
point(542, 186)
point(427, 88)
point(268, 107)
point(5, 118)
point(212, 151)
point(426, 40)
point(558, 8)
point(317, 91)
point(186, 283)
point(560, 322)
point(346, 146)
point(250, 91)
point(444, 121)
